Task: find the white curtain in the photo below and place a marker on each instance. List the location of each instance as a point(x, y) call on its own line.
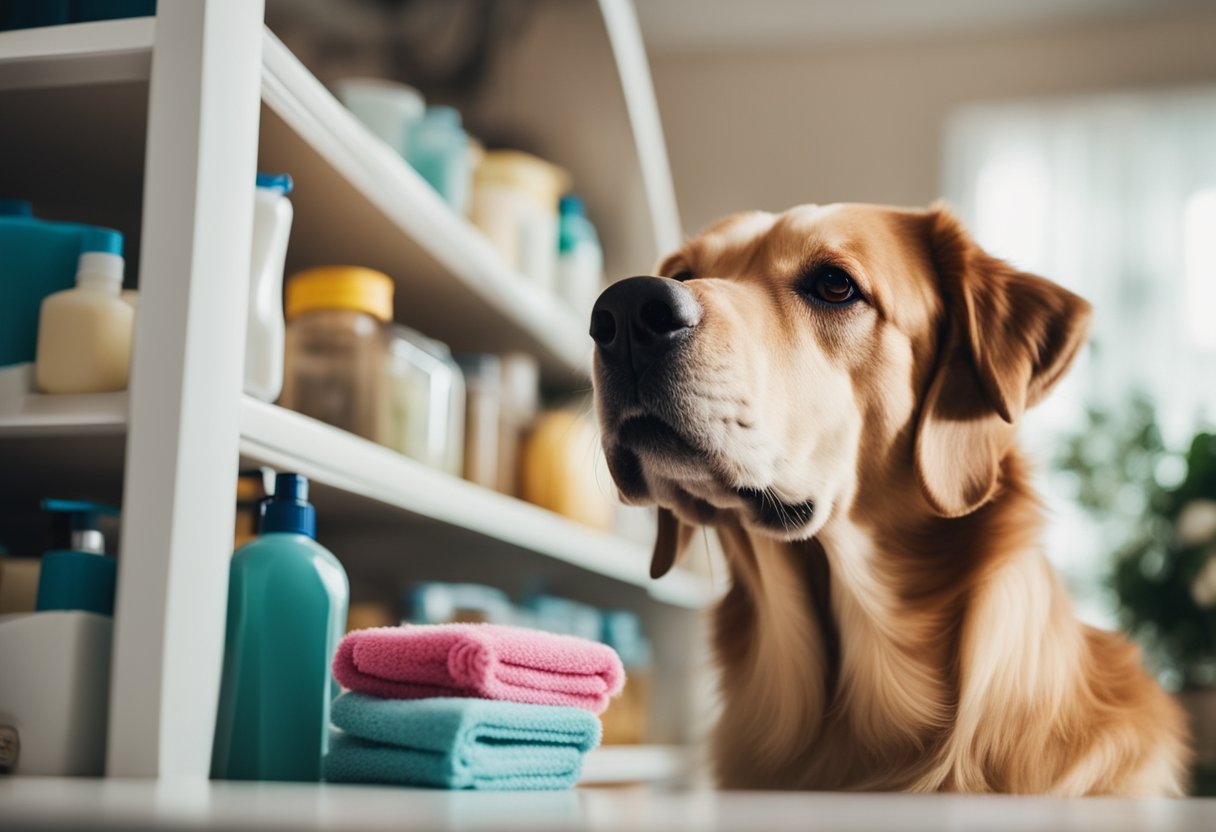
point(1113, 196)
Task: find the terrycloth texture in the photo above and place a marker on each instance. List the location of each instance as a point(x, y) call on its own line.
point(490, 661)
point(458, 743)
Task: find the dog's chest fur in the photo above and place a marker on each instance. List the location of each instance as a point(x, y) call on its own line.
point(829, 686)
point(835, 677)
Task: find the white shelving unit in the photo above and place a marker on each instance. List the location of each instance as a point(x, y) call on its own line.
point(157, 127)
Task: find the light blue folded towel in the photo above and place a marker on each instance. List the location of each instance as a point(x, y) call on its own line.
point(458, 743)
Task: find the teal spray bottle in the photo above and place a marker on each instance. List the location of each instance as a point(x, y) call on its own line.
point(287, 600)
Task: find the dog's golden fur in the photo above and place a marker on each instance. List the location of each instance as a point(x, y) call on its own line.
point(912, 635)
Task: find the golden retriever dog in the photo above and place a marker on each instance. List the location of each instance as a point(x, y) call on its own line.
point(836, 390)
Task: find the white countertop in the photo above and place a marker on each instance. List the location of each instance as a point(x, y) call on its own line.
point(51, 803)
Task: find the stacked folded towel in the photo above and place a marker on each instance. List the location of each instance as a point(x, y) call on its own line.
point(468, 706)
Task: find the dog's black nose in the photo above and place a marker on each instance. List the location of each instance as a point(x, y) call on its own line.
point(639, 319)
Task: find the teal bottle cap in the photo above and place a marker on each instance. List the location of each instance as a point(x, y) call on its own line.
point(103, 240)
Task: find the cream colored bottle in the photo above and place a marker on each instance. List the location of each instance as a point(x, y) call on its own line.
point(85, 333)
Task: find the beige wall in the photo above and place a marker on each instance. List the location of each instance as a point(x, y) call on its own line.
point(768, 130)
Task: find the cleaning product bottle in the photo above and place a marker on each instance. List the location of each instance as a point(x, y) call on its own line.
point(81, 577)
point(438, 149)
point(287, 599)
point(37, 258)
point(85, 333)
point(55, 673)
point(580, 260)
point(272, 214)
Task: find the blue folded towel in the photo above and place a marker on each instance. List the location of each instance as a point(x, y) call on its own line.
point(458, 743)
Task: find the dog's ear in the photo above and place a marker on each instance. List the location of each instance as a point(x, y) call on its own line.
point(1009, 337)
point(672, 539)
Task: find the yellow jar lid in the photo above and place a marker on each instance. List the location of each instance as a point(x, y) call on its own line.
point(340, 287)
point(542, 180)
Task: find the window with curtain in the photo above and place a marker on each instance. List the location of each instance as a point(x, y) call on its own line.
point(1114, 197)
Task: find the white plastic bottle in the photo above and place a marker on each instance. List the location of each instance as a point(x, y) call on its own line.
point(580, 260)
point(272, 215)
point(85, 333)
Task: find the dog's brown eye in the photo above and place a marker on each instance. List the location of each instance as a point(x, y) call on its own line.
point(683, 275)
point(833, 285)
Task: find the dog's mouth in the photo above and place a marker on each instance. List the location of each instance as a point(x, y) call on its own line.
point(769, 511)
point(692, 480)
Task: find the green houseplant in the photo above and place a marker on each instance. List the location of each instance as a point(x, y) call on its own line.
point(1156, 511)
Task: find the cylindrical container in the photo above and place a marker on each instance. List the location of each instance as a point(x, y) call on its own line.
point(85, 333)
point(424, 401)
point(515, 204)
point(386, 108)
point(287, 600)
point(334, 367)
point(580, 260)
point(520, 403)
point(483, 417)
point(627, 719)
point(272, 214)
point(561, 469)
point(438, 149)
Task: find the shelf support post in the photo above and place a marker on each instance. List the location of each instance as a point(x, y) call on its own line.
point(183, 437)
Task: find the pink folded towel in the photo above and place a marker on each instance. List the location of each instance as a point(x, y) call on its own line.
point(491, 661)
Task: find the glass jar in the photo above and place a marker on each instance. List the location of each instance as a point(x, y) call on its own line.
point(336, 346)
point(514, 203)
point(482, 417)
point(424, 401)
point(519, 405)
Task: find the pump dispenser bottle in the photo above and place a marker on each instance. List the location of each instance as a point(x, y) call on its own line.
point(287, 600)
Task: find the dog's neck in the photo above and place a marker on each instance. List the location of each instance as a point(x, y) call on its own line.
point(868, 615)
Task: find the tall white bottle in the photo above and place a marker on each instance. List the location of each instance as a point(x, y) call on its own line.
point(85, 333)
point(272, 215)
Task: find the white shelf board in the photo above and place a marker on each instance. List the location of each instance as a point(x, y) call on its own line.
point(620, 764)
point(366, 485)
point(285, 440)
point(356, 201)
point(103, 52)
point(29, 415)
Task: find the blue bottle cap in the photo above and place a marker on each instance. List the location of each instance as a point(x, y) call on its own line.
point(104, 240)
point(280, 182)
point(288, 510)
point(16, 208)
